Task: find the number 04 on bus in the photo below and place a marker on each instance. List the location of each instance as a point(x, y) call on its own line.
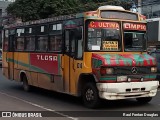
point(94, 55)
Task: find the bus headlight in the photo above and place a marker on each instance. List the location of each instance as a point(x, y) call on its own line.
point(153, 69)
point(105, 71)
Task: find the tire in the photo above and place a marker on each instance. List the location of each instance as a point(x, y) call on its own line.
point(144, 100)
point(26, 86)
point(90, 95)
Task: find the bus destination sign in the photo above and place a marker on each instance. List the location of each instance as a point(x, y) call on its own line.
point(134, 26)
point(96, 24)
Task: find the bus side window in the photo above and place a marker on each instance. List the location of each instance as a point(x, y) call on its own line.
point(20, 43)
point(55, 43)
point(59, 43)
point(67, 41)
point(30, 43)
point(73, 41)
point(6, 41)
point(79, 51)
point(42, 43)
point(79, 38)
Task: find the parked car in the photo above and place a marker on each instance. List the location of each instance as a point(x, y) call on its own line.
point(0, 57)
point(155, 52)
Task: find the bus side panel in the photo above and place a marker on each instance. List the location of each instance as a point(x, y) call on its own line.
point(79, 68)
point(16, 71)
point(44, 81)
point(58, 84)
point(5, 64)
point(58, 79)
point(34, 78)
point(21, 64)
point(66, 72)
point(47, 67)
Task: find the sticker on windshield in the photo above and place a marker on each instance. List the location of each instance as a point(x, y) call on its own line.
point(95, 47)
point(110, 45)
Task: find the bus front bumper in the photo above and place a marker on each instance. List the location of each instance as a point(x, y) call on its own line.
point(115, 91)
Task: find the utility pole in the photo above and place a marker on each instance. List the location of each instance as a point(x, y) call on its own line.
point(139, 6)
point(133, 8)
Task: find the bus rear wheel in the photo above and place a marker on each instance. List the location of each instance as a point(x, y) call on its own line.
point(90, 95)
point(144, 100)
point(26, 86)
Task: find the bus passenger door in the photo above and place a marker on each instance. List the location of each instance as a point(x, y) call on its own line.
point(69, 61)
point(10, 58)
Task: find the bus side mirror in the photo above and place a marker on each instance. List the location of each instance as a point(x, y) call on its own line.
point(78, 33)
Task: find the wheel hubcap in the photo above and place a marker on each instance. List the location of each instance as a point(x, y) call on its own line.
point(89, 95)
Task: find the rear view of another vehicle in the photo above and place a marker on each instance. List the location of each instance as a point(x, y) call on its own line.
point(155, 52)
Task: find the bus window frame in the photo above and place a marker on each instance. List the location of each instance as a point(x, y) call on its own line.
point(4, 41)
point(50, 32)
point(19, 50)
point(33, 30)
point(38, 27)
point(120, 12)
point(76, 43)
point(36, 43)
point(25, 47)
point(16, 37)
point(49, 40)
point(83, 43)
point(86, 35)
point(61, 33)
point(144, 43)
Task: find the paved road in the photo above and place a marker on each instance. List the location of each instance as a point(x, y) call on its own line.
point(13, 98)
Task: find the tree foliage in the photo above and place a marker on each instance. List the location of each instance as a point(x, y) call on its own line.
point(37, 9)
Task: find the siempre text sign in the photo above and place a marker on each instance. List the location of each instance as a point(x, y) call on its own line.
point(134, 26)
point(95, 24)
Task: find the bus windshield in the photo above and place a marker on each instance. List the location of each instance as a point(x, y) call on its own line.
point(134, 41)
point(103, 36)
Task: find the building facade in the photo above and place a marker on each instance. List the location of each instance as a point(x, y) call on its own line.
point(149, 8)
point(3, 6)
point(3, 15)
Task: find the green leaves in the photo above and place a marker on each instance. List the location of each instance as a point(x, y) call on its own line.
point(25, 9)
point(39, 9)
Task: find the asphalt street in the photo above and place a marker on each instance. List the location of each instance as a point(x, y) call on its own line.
point(56, 106)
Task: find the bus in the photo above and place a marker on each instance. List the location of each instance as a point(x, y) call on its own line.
point(94, 55)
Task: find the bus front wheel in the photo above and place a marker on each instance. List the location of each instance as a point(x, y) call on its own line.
point(26, 86)
point(90, 95)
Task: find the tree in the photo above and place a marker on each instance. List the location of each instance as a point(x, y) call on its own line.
point(38, 9)
point(25, 9)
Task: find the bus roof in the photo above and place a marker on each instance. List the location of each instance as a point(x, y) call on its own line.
point(89, 14)
point(110, 7)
